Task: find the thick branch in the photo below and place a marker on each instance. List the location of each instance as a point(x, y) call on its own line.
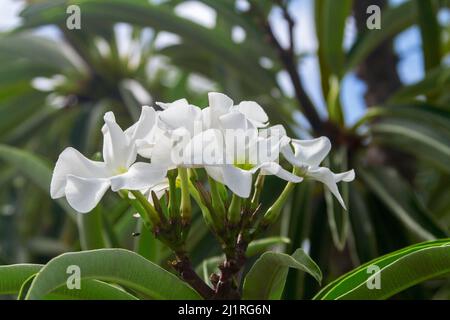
point(225, 286)
point(184, 268)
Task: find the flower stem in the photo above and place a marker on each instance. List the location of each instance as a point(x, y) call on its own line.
point(259, 184)
point(186, 210)
point(274, 211)
point(173, 205)
point(217, 203)
point(149, 209)
point(203, 207)
point(234, 211)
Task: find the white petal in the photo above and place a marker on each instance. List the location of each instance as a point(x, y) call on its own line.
point(169, 147)
point(72, 162)
point(347, 176)
point(237, 180)
point(311, 152)
point(205, 148)
point(144, 126)
point(144, 148)
point(207, 120)
point(219, 103)
point(83, 194)
point(327, 177)
point(233, 121)
point(182, 116)
point(159, 189)
point(253, 112)
point(140, 176)
point(273, 168)
point(216, 173)
point(118, 153)
point(176, 103)
point(289, 155)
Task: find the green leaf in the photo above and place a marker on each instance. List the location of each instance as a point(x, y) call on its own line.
point(16, 279)
point(90, 289)
point(37, 49)
point(362, 226)
point(267, 277)
point(393, 21)
point(435, 81)
point(25, 286)
point(389, 187)
point(118, 266)
point(430, 32)
point(12, 276)
point(399, 270)
point(143, 13)
point(417, 138)
point(34, 168)
point(258, 246)
point(333, 17)
point(338, 219)
point(147, 245)
point(90, 229)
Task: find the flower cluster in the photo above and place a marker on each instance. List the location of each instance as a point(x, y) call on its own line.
point(233, 143)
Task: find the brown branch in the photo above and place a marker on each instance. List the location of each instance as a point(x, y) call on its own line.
point(287, 57)
point(183, 266)
point(234, 262)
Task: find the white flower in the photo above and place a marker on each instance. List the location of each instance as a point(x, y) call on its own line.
point(237, 152)
point(307, 156)
point(178, 121)
point(180, 114)
point(221, 105)
point(84, 182)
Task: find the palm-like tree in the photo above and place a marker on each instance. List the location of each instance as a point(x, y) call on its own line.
point(53, 93)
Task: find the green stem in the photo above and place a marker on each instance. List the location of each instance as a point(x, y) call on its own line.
point(274, 211)
point(234, 211)
point(217, 203)
point(186, 210)
point(151, 212)
point(259, 184)
point(204, 209)
point(173, 205)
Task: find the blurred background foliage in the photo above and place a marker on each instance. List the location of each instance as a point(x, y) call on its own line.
point(55, 90)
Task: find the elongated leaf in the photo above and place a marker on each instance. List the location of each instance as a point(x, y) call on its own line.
point(300, 220)
point(12, 276)
point(38, 49)
point(416, 138)
point(397, 271)
point(147, 245)
point(431, 33)
point(258, 246)
point(435, 81)
point(267, 277)
point(13, 279)
point(337, 216)
point(333, 18)
point(396, 195)
point(90, 229)
point(34, 168)
point(115, 265)
point(25, 286)
point(393, 21)
point(361, 225)
point(144, 13)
